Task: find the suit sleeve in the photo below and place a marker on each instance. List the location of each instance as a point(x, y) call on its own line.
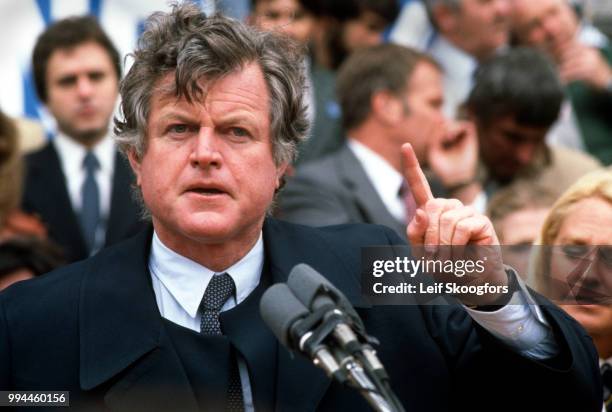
point(307, 202)
point(5, 350)
point(486, 371)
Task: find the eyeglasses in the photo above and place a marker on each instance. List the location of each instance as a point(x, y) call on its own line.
point(580, 252)
point(587, 289)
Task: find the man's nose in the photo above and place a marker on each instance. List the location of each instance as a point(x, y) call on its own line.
point(84, 87)
point(206, 152)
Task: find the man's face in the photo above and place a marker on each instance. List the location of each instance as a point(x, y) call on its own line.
point(423, 117)
point(517, 231)
point(482, 24)
point(285, 16)
point(207, 175)
point(506, 147)
point(342, 39)
point(588, 223)
point(82, 91)
point(546, 24)
point(365, 31)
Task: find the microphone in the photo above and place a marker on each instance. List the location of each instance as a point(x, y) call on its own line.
point(317, 293)
point(311, 316)
point(282, 312)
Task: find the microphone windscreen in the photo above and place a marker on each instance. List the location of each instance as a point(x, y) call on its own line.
point(280, 309)
point(305, 283)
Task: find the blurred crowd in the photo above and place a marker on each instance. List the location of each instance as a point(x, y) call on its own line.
point(507, 104)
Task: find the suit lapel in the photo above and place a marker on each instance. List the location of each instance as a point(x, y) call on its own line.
point(356, 180)
point(46, 176)
point(299, 384)
point(123, 344)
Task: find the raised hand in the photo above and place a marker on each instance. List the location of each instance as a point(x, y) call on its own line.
point(453, 155)
point(442, 229)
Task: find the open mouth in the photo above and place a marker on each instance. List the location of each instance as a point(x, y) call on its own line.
point(207, 192)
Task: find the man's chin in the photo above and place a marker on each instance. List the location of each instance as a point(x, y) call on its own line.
point(210, 227)
point(87, 136)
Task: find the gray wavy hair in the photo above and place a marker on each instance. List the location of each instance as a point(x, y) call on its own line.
point(194, 46)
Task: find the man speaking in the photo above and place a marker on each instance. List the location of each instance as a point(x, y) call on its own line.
point(168, 320)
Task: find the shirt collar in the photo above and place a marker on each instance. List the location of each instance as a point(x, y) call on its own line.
point(386, 180)
point(187, 280)
point(456, 62)
point(72, 153)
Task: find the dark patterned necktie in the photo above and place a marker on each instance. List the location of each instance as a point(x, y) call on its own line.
point(218, 291)
point(90, 195)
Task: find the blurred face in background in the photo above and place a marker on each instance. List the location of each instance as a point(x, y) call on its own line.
point(517, 232)
point(507, 147)
point(423, 115)
point(580, 252)
point(365, 31)
point(285, 16)
point(343, 38)
point(82, 89)
point(478, 26)
point(546, 24)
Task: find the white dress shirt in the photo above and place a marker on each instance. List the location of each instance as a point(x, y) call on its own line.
point(386, 180)
point(179, 284)
point(71, 155)
point(412, 28)
point(458, 67)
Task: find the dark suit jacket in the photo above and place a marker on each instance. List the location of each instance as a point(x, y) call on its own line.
point(335, 190)
point(94, 328)
point(326, 134)
point(46, 194)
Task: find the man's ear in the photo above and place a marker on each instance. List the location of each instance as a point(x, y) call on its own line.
point(386, 107)
point(135, 164)
point(280, 172)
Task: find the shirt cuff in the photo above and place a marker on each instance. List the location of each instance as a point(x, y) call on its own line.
point(520, 325)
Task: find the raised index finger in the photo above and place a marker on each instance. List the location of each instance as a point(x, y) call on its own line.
point(415, 177)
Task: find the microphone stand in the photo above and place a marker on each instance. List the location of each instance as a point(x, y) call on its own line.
point(351, 362)
point(360, 380)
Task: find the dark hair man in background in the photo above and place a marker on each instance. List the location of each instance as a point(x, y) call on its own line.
point(515, 100)
point(390, 95)
point(168, 320)
point(78, 183)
